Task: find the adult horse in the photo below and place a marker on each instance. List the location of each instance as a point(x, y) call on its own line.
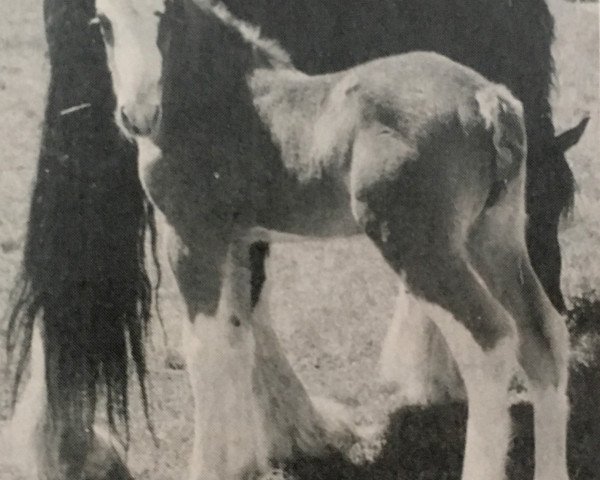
point(86, 280)
point(423, 155)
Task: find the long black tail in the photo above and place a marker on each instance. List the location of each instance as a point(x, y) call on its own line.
point(83, 271)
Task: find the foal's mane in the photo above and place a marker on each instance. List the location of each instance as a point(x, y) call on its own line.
point(249, 33)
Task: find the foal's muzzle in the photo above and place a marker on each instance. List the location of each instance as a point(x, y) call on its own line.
point(140, 119)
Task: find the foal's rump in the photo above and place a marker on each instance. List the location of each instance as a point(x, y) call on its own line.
point(434, 139)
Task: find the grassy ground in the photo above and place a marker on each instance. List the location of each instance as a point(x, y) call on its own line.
point(331, 301)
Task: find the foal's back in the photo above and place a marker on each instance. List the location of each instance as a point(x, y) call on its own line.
point(419, 103)
point(415, 93)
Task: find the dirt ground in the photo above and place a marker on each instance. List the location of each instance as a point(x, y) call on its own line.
point(331, 301)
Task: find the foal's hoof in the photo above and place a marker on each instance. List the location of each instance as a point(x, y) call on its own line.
point(106, 459)
point(174, 360)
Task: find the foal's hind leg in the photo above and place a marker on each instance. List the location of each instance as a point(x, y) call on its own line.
point(543, 351)
point(481, 337)
point(415, 357)
point(480, 334)
point(544, 357)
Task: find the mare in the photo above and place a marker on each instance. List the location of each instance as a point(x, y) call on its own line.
point(423, 155)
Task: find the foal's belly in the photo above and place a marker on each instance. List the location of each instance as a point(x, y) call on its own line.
point(284, 209)
point(318, 209)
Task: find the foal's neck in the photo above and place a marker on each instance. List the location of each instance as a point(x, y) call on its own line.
point(286, 100)
point(263, 82)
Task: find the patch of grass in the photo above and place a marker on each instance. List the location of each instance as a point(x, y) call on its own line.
point(584, 315)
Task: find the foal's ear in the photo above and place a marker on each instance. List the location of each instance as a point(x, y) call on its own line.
point(570, 137)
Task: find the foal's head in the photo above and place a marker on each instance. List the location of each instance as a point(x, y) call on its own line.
point(136, 34)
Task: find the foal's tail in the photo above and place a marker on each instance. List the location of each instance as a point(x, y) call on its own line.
point(503, 117)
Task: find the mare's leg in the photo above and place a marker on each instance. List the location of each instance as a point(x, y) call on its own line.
point(415, 357)
point(543, 350)
point(250, 408)
point(150, 155)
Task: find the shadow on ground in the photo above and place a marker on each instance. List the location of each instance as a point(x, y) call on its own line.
point(426, 443)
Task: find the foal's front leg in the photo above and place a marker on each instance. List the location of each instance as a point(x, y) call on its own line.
point(251, 409)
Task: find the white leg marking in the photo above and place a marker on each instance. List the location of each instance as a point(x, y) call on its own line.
point(148, 154)
point(551, 408)
point(250, 406)
point(486, 375)
point(228, 442)
point(415, 356)
point(551, 416)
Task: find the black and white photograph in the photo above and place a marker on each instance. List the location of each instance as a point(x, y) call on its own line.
point(299, 240)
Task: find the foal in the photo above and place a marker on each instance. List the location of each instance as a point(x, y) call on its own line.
point(423, 155)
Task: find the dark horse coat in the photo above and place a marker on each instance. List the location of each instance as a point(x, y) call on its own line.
point(84, 261)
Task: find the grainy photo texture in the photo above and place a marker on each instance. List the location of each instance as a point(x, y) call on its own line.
point(300, 240)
